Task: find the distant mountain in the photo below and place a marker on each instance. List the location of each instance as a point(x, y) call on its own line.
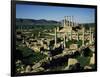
point(87, 25)
point(33, 23)
point(20, 21)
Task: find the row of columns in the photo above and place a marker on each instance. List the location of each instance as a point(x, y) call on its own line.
point(91, 36)
point(83, 35)
point(69, 21)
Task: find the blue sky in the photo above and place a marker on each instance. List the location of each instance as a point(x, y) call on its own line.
point(81, 15)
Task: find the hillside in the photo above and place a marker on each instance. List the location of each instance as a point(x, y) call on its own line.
point(36, 22)
point(33, 23)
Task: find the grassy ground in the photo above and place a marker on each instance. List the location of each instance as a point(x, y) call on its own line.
point(83, 60)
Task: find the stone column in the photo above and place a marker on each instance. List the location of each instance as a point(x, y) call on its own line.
point(67, 36)
point(71, 35)
point(39, 34)
point(55, 37)
point(57, 29)
point(72, 21)
point(77, 36)
point(65, 21)
point(90, 36)
point(69, 20)
point(64, 40)
point(83, 37)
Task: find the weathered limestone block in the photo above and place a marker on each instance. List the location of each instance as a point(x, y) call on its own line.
point(73, 46)
point(72, 61)
point(28, 69)
point(92, 60)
